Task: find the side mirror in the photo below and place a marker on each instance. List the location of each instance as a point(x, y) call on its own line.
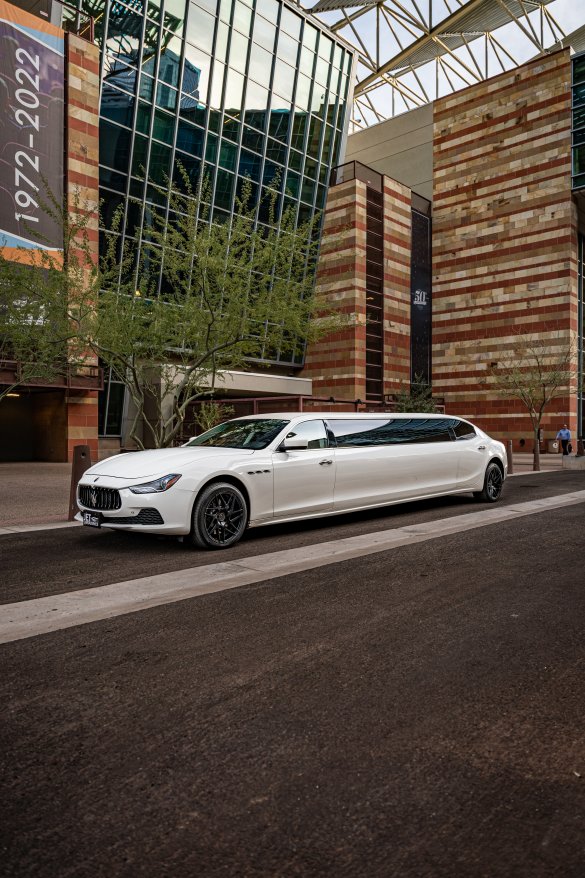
point(294, 443)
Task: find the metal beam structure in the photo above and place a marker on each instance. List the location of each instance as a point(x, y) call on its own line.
point(412, 51)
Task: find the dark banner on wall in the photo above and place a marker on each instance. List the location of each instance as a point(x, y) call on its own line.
point(420, 299)
point(31, 128)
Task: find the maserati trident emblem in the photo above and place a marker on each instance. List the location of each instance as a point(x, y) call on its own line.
point(93, 498)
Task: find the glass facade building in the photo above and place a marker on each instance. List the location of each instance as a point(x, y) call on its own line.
point(231, 89)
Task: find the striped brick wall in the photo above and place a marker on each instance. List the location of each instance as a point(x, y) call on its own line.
point(82, 157)
point(397, 257)
point(337, 363)
point(504, 236)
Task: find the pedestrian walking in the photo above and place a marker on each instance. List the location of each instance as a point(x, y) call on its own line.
point(564, 435)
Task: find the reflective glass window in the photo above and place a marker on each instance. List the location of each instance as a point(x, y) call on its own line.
point(117, 105)
point(234, 89)
point(112, 179)
point(322, 71)
point(325, 47)
point(284, 80)
point(242, 18)
point(210, 5)
point(288, 49)
point(224, 188)
point(310, 35)
point(292, 184)
point(321, 197)
point(290, 22)
point(139, 155)
point(295, 160)
point(211, 148)
point(307, 190)
point(252, 139)
point(163, 127)
point(231, 128)
point(315, 129)
point(245, 184)
point(216, 85)
point(311, 169)
point(143, 115)
point(264, 33)
point(190, 138)
point(146, 90)
point(256, 103)
point(318, 100)
point(307, 62)
point(221, 41)
point(166, 97)
point(160, 163)
point(276, 151)
point(200, 28)
point(225, 9)
point(298, 131)
point(272, 175)
point(114, 146)
point(260, 65)
point(249, 164)
point(136, 188)
point(579, 117)
point(303, 92)
point(227, 155)
point(196, 74)
point(124, 32)
point(121, 76)
point(169, 66)
point(238, 51)
point(174, 15)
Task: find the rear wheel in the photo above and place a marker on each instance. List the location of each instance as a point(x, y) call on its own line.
point(493, 484)
point(220, 516)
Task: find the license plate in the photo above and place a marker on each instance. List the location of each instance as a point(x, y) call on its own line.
point(92, 520)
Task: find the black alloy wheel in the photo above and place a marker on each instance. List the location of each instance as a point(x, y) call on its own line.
point(220, 516)
point(492, 485)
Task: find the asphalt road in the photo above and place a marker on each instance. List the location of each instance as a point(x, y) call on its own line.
point(417, 712)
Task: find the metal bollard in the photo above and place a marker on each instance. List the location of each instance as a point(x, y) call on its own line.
point(81, 462)
point(580, 448)
point(510, 457)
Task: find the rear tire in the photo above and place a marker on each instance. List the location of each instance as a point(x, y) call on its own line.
point(220, 516)
point(493, 484)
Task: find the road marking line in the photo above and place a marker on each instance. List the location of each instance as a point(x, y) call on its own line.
point(44, 615)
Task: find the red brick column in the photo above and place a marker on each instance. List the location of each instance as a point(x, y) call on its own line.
point(337, 363)
point(82, 129)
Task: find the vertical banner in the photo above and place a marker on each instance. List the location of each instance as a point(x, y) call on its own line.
point(420, 299)
point(32, 74)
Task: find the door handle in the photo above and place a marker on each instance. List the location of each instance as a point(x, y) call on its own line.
point(325, 462)
point(481, 447)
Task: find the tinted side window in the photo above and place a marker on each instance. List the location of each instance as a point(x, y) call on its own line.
point(463, 430)
point(390, 431)
point(313, 431)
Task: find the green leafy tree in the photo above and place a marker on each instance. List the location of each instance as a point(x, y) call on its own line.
point(417, 398)
point(536, 370)
point(201, 298)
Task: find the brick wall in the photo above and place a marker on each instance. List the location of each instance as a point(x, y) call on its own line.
point(337, 363)
point(82, 129)
point(504, 236)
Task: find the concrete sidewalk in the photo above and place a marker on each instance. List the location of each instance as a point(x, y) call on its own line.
point(38, 493)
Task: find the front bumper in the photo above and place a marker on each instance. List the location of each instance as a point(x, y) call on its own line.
point(167, 512)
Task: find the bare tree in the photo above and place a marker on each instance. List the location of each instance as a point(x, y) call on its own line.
point(536, 370)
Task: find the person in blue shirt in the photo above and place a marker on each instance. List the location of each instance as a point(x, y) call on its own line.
point(565, 436)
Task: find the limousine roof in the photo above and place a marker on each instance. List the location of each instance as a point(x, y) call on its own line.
point(345, 415)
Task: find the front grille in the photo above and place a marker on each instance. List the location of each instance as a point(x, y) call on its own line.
point(145, 516)
point(94, 497)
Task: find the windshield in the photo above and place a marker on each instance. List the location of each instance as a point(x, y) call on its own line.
point(250, 434)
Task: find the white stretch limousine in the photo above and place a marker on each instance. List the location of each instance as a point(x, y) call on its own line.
point(272, 468)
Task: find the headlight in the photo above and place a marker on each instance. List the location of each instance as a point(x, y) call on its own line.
point(157, 485)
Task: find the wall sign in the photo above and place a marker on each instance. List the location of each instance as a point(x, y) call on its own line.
point(32, 71)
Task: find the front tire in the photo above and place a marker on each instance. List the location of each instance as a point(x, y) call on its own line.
point(220, 516)
point(493, 484)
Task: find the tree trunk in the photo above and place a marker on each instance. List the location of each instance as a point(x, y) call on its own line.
point(536, 454)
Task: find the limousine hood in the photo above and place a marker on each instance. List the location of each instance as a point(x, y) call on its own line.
point(160, 461)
